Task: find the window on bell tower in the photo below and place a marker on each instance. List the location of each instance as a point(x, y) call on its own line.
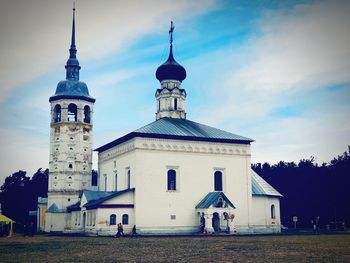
point(57, 113)
point(87, 114)
point(175, 104)
point(72, 112)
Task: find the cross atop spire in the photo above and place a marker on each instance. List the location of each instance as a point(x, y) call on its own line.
point(72, 66)
point(171, 33)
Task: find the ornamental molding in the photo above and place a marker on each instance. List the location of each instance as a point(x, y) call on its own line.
point(117, 151)
point(155, 144)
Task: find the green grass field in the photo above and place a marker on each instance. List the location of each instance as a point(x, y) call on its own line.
point(294, 248)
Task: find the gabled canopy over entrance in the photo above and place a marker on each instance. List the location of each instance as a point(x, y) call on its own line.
point(215, 212)
point(215, 200)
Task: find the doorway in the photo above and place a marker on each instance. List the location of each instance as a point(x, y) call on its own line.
point(216, 222)
point(84, 220)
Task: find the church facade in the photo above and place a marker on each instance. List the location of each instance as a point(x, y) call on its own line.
point(172, 176)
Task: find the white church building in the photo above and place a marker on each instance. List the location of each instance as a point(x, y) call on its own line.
point(172, 176)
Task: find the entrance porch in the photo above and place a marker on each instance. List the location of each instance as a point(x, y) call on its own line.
point(215, 212)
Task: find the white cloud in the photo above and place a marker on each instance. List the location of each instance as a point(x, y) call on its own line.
point(291, 59)
point(292, 139)
point(35, 35)
point(306, 49)
point(22, 152)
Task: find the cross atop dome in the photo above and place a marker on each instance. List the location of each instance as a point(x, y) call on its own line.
point(171, 97)
point(170, 69)
point(171, 33)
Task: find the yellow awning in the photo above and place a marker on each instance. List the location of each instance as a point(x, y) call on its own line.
point(5, 219)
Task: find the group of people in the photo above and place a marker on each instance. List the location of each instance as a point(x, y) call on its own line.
point(120, 232)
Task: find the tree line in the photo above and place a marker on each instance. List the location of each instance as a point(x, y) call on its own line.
point(309, 190)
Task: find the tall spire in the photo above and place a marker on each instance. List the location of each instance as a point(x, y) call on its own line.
point(73, 50)
point(72, 66)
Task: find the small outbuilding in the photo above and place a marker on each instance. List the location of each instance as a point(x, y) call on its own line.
point(6, 225)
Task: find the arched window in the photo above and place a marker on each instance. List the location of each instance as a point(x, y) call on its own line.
point(87, 114)
point(218, 181)
point(57, 113)
point(273, 212)
point(72, 112)
point(175, 104)
point(171, 179)
point(125, 219)
point(113, 219)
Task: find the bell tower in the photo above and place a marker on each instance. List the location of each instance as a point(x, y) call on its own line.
point(170, 96)
point(70, 162)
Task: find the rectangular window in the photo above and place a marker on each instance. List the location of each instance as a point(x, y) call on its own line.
point(171, 180)
point(128, 178)
point(173, 217)
point(116, 182)
point(218, 181)
point(105, 181)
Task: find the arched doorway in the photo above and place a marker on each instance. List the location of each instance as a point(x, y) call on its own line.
point(216, 222)
point(84, 220)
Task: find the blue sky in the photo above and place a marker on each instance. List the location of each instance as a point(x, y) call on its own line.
point(274, 71)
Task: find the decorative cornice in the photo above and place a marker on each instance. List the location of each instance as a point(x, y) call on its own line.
point(153, 144)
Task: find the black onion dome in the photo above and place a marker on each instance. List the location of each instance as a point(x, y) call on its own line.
point(170, 69)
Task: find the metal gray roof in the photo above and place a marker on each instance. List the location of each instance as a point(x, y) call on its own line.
point(261, 187)
point(95, 202)
point(180, 129)
point(212, 199)
point(54, 209)
point(42, 200)
point(74, 207)
point(72, 89)
point(95, 195)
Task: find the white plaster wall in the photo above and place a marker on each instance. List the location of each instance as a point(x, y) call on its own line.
point(261, 216)
point(123, 163)
point(126, 198)
point(195, 178)
point(70, 143)
point(154, 205)
point(55, 222)
point(170, 89)
point(102, 220)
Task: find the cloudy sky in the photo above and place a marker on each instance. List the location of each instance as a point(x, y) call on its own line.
point(274, 71)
